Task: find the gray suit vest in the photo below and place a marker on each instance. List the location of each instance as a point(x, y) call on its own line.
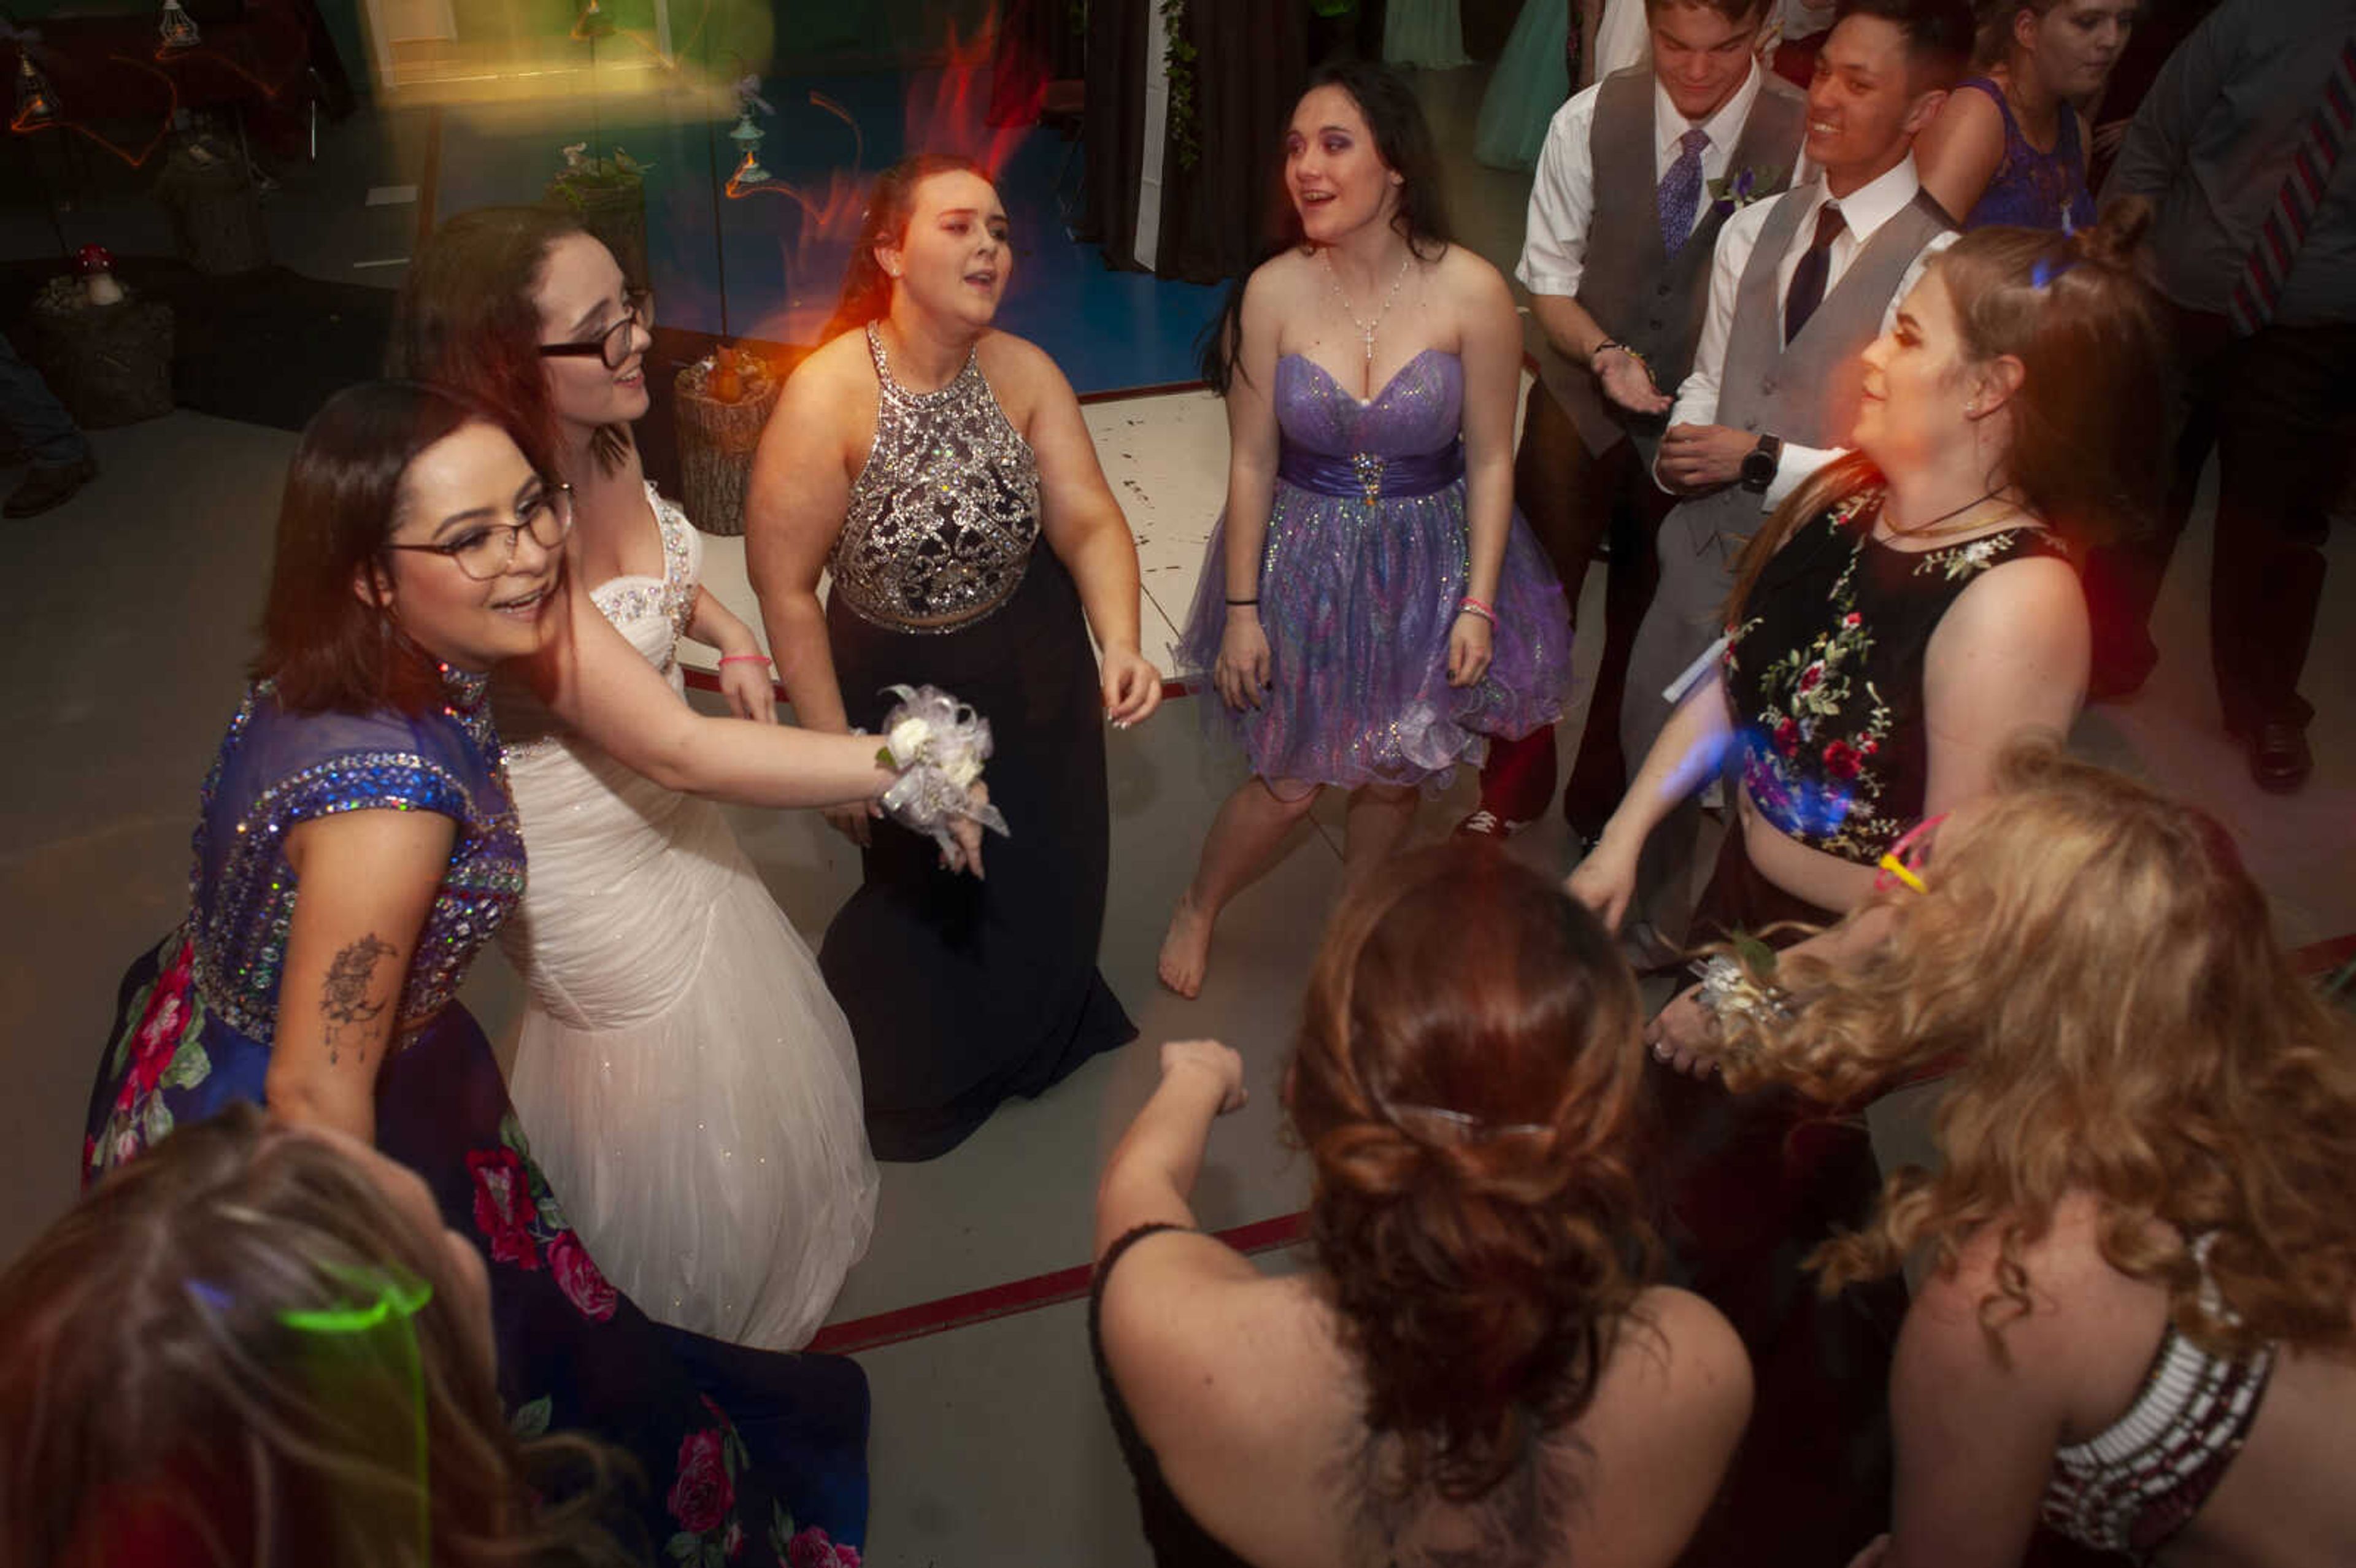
point(1629, 284)
point(1806, 391)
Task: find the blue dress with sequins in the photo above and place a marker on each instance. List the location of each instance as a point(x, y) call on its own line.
point(748, 1456)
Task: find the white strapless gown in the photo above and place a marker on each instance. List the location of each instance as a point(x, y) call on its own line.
point(686, 1078)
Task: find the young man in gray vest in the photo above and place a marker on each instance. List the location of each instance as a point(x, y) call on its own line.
point(1638, 174)
point(1799, 287)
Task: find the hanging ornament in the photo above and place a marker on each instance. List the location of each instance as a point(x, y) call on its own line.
point(591, 24)
point(749, 172)
point(178, 29)
point(36, 101)
point(747, 137)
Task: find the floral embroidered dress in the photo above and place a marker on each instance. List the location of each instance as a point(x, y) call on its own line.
point(1824, 680)
point(748, 1458)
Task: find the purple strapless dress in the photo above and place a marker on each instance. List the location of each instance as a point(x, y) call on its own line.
point(1358, 585)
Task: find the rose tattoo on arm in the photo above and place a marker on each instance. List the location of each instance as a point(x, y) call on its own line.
point(345, 1000)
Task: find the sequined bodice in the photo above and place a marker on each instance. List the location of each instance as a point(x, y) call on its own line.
point(943, 517)
point(1420, 410)
point(278, 770)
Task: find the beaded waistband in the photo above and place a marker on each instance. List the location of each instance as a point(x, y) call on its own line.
point(1370, 478)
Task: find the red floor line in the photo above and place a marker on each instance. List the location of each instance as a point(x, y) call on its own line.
point(704, 680)
point(1015, 1297)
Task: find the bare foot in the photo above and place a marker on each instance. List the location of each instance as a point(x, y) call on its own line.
point(1187, 948)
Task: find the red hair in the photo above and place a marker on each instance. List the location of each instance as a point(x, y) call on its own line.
point(1467, 1081)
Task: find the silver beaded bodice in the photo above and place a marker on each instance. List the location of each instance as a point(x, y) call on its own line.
point(943, 517)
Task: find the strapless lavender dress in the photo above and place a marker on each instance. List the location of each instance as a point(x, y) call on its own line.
point(1358, 585)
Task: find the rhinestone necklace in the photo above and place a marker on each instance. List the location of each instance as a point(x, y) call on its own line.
point(1367, 329)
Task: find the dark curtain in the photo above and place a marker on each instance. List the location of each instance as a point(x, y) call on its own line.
point(1038, 42)
point(1250, 60)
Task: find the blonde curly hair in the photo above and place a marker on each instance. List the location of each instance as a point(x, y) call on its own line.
point(2099, 972)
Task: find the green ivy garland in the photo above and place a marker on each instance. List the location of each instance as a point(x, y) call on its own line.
point(1178, 61)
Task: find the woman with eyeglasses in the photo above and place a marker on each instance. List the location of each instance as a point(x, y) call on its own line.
point(1894, 625)
point(689, 1082)
point(2139, 1324)
point(356, 848)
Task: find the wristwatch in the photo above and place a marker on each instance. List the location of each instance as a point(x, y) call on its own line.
point(1759, 463)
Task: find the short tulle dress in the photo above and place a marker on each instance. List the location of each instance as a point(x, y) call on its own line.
point(747, 1456)
point(1359, 581)
point(690, 1084)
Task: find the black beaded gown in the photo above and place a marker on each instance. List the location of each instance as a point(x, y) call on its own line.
point(960, 992)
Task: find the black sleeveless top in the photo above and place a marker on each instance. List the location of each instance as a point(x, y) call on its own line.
point(1176, 1539)
point(1824, 676)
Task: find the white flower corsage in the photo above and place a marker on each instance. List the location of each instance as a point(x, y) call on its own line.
point(938, 745)
point(1732, 985)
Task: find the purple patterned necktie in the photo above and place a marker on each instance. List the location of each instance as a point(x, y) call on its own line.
point(1680, 197)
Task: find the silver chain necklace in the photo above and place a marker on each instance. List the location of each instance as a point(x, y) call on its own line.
point(1367, 329)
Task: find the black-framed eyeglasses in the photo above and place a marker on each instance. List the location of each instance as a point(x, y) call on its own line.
point(487, 550)
point(613, 346)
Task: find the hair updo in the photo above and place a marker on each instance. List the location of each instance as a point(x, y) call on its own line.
point(1466, 1080)
point(891, 207)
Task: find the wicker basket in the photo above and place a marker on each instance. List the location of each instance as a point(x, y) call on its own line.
point(109, 364)
point(216, 211)
point(715, 448)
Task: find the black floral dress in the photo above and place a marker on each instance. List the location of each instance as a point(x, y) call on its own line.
point(1823, 682)
point(1824, 676)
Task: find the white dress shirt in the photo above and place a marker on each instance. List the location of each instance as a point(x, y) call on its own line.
point(1562, 197)
point(1866, 209)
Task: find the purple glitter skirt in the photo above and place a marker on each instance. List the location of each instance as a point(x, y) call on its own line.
point(1359, 581)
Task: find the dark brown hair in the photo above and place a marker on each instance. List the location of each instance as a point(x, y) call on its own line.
point(2075, 312)
point(1403, 141)
point(1732, 10)
point(468, 319)
point(1939, 36)
point(1466, 1082)
point(158, 1404)
point(866, 287)
point(328, 648)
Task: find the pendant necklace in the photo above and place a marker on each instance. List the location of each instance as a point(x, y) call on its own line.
point(1367, 329)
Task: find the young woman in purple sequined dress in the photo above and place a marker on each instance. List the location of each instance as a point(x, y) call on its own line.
point(1371, 609)
point(356, 847)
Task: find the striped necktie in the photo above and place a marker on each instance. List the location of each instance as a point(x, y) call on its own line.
point(2259, 290)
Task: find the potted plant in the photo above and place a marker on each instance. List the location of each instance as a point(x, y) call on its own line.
point(608, 195)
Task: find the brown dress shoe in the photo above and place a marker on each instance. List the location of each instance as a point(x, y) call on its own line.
point(2279, 758)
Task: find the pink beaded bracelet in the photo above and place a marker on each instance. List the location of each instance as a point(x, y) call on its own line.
point(743, 659)
point(1470, 606)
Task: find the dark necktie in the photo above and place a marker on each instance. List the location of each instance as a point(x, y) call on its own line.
point(1809, 278)
point(1679, 196)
